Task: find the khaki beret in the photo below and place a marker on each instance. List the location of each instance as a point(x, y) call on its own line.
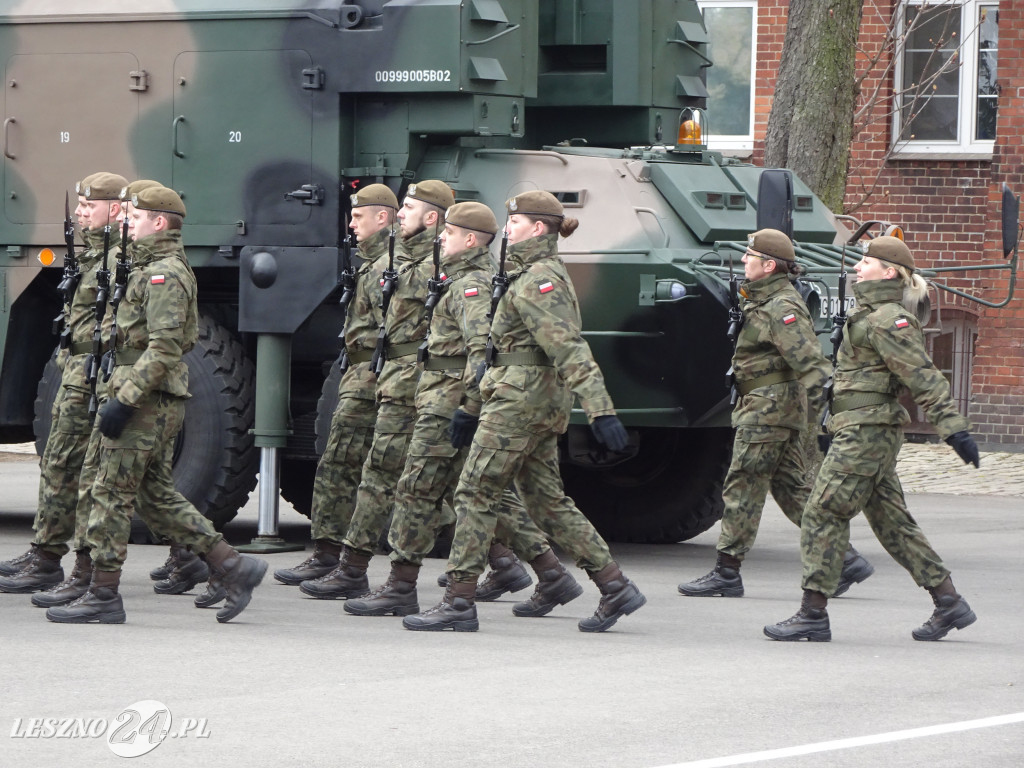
point(159, 199)
point(433, 192)
point(475, 216)
point(772, 243)
point(132, 187)
point(374, 194)
point(101, 186)
point(890, 249)
point(536, 202)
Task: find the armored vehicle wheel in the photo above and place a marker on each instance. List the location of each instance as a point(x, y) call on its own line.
point(671, 491)
point(215, 461)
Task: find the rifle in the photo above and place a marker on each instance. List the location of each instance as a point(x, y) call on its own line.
point(120, 287)
point(499, 286)
point(836, 337)
point(69, 282)
point(388, 283)
point(435, 290)
point(733, 332)
point(92, 363)
point(347, 281)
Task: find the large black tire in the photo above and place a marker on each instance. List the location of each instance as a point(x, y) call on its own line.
point(671, 491)
point(215, 461)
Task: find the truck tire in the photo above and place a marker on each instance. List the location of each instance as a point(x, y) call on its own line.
point(215, 461)
point(671, 491)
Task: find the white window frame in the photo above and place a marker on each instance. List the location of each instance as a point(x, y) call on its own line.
point(967, 87)
point(741, 143)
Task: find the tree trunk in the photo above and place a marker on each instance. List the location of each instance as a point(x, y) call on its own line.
point(811, 123)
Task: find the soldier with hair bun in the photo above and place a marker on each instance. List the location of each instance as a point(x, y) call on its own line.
point(882, 355)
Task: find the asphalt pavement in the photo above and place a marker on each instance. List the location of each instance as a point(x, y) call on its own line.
point(682, 682)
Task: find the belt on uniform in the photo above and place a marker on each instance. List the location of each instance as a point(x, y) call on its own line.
point(452, 363)
point(533, 357)
point(396, 351)
point(128, 355)
point(860, 400)
point(748, 386)
point(360, 356)
point(80, 348)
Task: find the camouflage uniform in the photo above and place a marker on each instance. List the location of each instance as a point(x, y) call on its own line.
point(348, 444)
point(157, 324)
point(526, 407)
point(882, 352)
point(458, 334)
point(777, 341)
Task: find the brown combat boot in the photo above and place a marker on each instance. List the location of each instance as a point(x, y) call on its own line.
point(348, 579)
point(15, 564)
point(723, 581)
point(457, 611)
point(188, 571)
point(619, 597)
point(72, 588)
point(238, 574)
point(100, 603)
point(41, 571)
point(161, 572)
point(951, 612)
point(507, 574)
point(213, 593)
point(856, 569)
point(397, 596)
point(324, 559)
point(809, 623)
point(555, 586)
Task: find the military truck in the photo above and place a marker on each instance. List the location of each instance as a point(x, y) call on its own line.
point(265, 114)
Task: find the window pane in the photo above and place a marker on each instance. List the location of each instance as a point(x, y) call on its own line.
point(933, 119)
point(988, 46)
point(730, 40)
point(929, 104)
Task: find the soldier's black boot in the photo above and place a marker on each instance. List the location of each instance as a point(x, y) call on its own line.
point(457, 610)
point(161, 572)
point(951, 612)
point(809, 623)
point(72, 588)
point(555, 586)
point(348, 579)
point(723, 580)
point(15, 564)
point(189, 571)
point(100, 603)
point(213, 593)
point(397, 596)
point(619, 597)
point(323, 560)
point(507, 574)
point(238, 574)
point(41, 571)
point(856, 568)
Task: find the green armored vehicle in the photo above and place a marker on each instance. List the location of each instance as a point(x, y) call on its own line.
point(265, 114)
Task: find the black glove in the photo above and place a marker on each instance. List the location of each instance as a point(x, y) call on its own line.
point(480, 371)
point(610, 433)
point(824, 442)
point(965, 447)
point(114, 416)
point(463, 428)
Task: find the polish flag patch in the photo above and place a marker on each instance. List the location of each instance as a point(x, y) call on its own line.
point(901, 322)
point(790, 318)
point(472, 292)
point(546, 287)
point(156, 280)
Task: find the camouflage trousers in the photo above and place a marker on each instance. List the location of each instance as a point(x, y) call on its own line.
point(59, 471)
point(859, 474)
point(431, 472)
point(340, 468)
point(138, 465)
point(381, 472)
point(497, 458)
point(763, 458)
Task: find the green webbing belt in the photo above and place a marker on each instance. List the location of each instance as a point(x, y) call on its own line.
point(860, 400)
point(360, 356)
point(396, 351)
point(533, 357)
point(435, 363)
point(80, 348)
point(746, 387)
point(128, 355)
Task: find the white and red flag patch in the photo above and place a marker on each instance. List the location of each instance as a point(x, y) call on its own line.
point(790, 318)
point(546, 287)
point(156, 280)
point(901, 322)
point(472, 292)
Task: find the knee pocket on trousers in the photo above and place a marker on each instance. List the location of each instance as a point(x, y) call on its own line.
point(388, 451)
point(843, 494)
point(121, 468)
point(348, 446)
point(493, 455)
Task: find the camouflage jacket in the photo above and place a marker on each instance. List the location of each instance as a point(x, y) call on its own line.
point(159, 317)
point(882, 352)
point(777, 336)
point(540, 312)
point(363, 319)
point(459, 327)
point(406, 322)
point(82, 312)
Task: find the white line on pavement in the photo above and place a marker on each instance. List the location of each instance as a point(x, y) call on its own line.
point(858, 741)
